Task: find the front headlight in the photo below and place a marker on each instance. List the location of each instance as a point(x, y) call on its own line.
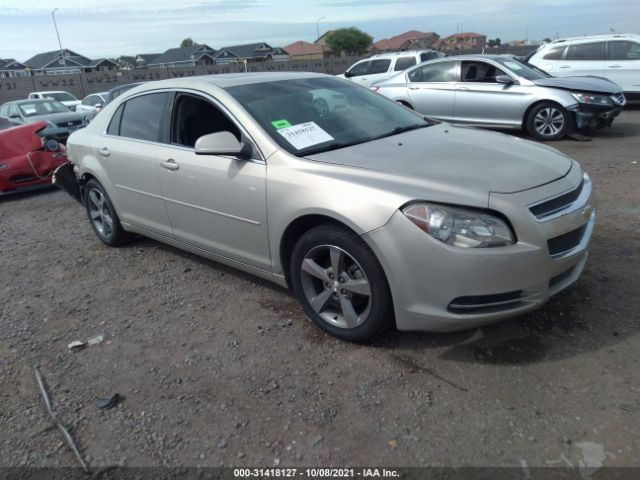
point(460, 227)
point(592, 99)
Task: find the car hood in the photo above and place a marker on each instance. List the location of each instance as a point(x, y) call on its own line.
point(463, 158)
point(586, 84)
point(56, 117)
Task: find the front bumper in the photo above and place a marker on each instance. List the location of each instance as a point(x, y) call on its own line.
point(595, 116)
point(438, 287)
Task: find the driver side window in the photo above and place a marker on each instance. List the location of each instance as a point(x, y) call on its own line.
point(194, 117)
point(480, 72)
point(359, 69)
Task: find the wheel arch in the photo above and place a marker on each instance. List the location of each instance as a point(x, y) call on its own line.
point(533, 105)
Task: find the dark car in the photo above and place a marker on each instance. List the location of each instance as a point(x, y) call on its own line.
point(61, 121)
point(115, 92)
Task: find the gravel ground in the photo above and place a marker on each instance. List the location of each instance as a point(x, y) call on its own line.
point(219, 368)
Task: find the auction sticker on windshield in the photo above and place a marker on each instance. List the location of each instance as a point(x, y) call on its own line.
point(305, 135)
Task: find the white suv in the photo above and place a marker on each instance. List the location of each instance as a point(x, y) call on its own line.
point(615, 56)
point(65, 98)
point(385, 65)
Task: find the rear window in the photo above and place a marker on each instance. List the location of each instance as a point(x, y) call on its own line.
point(554, 54)
point(624, 51)
point(586, 51)
point(142, 117)
point(403, 63)
point(379, 66)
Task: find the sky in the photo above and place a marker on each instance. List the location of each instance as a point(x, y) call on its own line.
point(98, 29)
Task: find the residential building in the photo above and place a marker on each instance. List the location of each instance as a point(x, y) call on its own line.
point(57, 62)
point(11, 68)
point(302, 50)
point(462, 41)
point(142, 60)
point(411, 40)
point(255, 52)
point(321, 41)
point(184, 57)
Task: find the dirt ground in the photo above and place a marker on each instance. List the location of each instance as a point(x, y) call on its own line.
point(219, 368)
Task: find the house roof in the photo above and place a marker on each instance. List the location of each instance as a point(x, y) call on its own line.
point(11, 64)
point(45, 59)
point(181, 54)
point(97, 61)
point(303, 48)
point(250, 50)
point(147, 57)
point(466, 35)
point(398, 41)
point(323, 35)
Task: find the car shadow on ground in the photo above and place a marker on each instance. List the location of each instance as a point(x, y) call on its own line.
point(568, 325)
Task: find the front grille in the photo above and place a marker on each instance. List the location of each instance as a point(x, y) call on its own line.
point(72, 123)
point(487, 303)
point(565, 242)
point(618, 98)
point(557, 204)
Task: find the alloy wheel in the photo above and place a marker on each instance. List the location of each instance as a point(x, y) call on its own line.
point(100, 213)
point(336, 286)
point(548, 121)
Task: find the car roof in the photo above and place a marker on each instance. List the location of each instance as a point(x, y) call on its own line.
point(50, 91)
point(399, 54)
point(591, 38)
point(34, 100)
point(226, 80)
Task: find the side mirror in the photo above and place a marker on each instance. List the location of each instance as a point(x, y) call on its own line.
point(14, 116)
point(505, 80)
point(97, 105)
point(223, 143)
point(347, 74)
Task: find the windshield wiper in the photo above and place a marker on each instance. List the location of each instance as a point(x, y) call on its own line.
point(399, 130)
point(332, 146)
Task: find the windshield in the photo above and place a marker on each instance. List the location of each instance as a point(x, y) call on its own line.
point(42, 108)
point(61, 96)
point(526, 71)
point(313, 115)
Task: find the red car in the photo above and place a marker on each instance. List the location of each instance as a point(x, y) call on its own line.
point(27, 160)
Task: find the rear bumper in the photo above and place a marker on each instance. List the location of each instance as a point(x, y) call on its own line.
point(65, 178)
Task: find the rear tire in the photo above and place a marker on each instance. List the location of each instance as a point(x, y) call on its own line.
point(548, 121)
point(340, 283)
point(102, 215)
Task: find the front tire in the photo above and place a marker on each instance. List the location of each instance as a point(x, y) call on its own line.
point(548, 121)
point(340, 283)
point(102, 215)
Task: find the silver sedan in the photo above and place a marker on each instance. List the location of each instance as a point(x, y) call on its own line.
point(373, 215)
point(501, 92)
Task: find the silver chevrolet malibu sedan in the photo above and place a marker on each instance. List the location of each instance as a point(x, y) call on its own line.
point(372, 214)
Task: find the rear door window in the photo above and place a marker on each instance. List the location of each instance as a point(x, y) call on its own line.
point(379, 66)
point(359, 69)
point(435, 72)
point(554, 54)
point(142, 117)
point(624, 51)
point(403, 63)
point(586, 51)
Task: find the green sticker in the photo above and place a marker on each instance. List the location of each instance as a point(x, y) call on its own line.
point(280, 124)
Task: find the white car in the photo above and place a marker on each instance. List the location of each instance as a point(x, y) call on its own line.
point(64, 98)
point(615, 56)
point(380, 67)
point(93, 103)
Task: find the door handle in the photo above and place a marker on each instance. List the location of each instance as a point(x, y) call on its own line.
point(170, 164)
point(411, 87)
point(565, 66)
point(462, 89)
point(614, 66)
point(104, 151)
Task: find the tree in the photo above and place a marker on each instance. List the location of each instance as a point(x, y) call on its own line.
point(494, 43)
point(187, 42)
point(351, 41)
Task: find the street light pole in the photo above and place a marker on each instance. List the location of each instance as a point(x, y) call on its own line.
point(64, 60)
point(318, 27)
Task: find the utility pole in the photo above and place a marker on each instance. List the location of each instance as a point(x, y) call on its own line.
point(64, 60)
